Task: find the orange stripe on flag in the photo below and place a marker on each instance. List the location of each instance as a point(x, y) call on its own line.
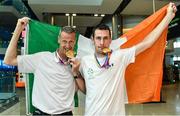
point(144, 77)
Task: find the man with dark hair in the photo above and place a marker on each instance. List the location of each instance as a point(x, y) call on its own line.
point(54, 85)
point(101, 27)
point(104, 71)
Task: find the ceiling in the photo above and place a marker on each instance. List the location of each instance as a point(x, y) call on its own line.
point(8, 16)
point(74, 6)
point(96, 6)
point(8, 19)
point(83, 8)
point(145, 7)
point(87, 7)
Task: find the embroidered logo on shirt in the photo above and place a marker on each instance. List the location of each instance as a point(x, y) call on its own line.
point(90, 73)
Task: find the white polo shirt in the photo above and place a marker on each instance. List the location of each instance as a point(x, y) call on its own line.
point(54, 87)
point(105, 87)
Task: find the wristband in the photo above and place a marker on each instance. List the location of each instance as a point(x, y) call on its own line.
point(75, 77)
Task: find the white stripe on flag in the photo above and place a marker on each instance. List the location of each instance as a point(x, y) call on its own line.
point(86, 46)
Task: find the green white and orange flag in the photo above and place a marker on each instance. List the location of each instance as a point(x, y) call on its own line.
point(143, 78)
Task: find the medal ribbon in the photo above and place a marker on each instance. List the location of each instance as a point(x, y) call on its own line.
point(106, 64)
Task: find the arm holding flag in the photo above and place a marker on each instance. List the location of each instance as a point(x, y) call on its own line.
point(154, 35)
point(11, 53)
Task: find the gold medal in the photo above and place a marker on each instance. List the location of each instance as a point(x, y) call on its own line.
point(70, 54)
point(106, 50)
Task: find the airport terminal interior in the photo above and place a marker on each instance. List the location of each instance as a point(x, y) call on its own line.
point(83, 15)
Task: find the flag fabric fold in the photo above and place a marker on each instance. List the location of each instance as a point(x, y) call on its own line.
point(143, 78)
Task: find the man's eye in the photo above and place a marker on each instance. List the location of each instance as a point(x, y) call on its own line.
point(64, 42)
point(71, 43)
point(98, 38)
point(105, 38)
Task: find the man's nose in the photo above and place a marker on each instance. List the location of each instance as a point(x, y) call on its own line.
point(68, 46)
point(101, 41)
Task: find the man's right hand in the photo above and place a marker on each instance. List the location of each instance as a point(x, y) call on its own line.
point(11, 52)
point(22, 22)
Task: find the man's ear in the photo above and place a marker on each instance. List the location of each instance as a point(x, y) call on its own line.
point(59, 40)
point(110, 40)
point(92, 39)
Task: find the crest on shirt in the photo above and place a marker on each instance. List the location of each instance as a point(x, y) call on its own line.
point(90, 73)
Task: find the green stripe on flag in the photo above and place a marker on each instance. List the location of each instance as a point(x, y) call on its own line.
point(42, 37)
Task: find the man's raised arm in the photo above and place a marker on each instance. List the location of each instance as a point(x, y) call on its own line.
point(11, 52)
point(151, 38)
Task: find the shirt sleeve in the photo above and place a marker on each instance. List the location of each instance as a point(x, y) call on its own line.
point(28, 63)
point(127, 55)
point(81, 67)
point(131, 55)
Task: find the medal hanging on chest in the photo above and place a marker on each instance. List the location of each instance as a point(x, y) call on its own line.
point(63, 62)
point(69, 54)
point(106, 64)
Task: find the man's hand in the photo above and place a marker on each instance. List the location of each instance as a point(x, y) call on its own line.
point(80, 83)
point(22, 22)
point(11, 52)
point(75, 66)
point(171, 10)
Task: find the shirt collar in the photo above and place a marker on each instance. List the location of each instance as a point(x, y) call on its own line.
point(58, 59)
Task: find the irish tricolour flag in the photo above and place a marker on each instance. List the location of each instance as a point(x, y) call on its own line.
point(143, 78)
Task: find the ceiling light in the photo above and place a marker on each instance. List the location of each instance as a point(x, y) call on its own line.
point(74, 26)
point(67, 14)
point(74, 15)
point(102, 15)
point(95, 15)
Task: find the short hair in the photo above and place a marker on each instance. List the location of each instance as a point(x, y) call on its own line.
point(101, 27)
point(67, 29)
